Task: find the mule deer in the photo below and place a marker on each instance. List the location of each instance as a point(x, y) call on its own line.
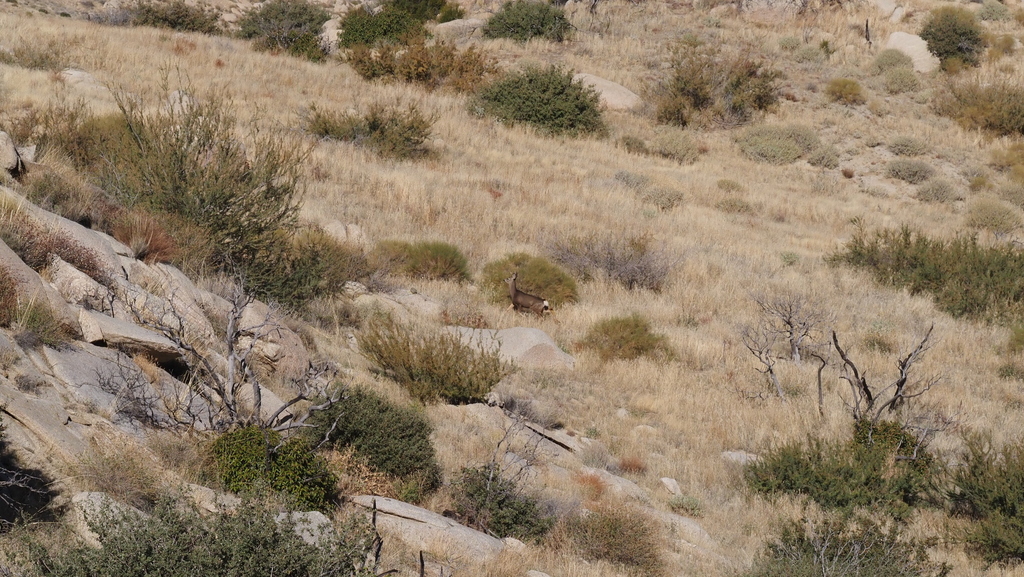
point(525, 302)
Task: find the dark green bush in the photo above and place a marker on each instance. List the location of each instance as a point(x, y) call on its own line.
point(619, 534)
point(179, 541)
point(626, 338)
point(176, 15)
point(438, 65)
point(388, 132)
point(247, 461)
point(706, 88)
point(908, 170)
point(432, 366)
point(392, 438)
point(522, 20)
point(965, 278)
point(545, 98)
point(424, 259)
point(289, 25)
point(360, 27)
point(537, 276)
point(778, 144)
point(997, 106)
point(421, 10)
point(988, 488)
point(953, 35)
point(450, 12)
point(882, 466)
point(845, 91)
point(489, 502)
point(840, 547)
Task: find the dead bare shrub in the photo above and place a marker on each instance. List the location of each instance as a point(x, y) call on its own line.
point(636, 262)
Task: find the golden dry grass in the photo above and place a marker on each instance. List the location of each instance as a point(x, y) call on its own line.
point(680, 415)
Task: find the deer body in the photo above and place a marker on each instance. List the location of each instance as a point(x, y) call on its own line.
point(525, 302)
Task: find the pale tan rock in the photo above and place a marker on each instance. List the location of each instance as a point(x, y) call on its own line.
point(456, 30)
point(520, 345)
point(617, 485)
point(31, 288)
point(86, 507)
point(9, 159)
point(613, 96)
point(916, 48)
point(671, 485)
point(100, 328)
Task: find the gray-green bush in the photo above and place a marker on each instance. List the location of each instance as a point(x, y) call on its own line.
point(778, 144)
point(547, 99)
point(525, 19)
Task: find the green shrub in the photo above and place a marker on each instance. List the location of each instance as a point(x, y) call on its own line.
point(179, 541)
point(176, 15)
point(965, 278)
point(824, 157)
point(619, 534)
point(987, 489)
point(634, 262)
point(993, 10)
point(626, 338)
point(912, 171)
point(545, 98)
point(450, 12)
point(809, 54)
point(289, 25)
point(840, 546)
point(432, 366)
point(845, 91)
point(706, 88)
point(384, 130)
point(389, 26)
point(882, 466)
point(424, 259)
point(992, 214)
point(938, 190)
point(634, 145)
point(676, 145)
point(953, 35)
point(251, 458)
point(438, 65)
point(421, 10)
point(391, 438)
point(522, 20)
point(537, 276)
point(908, 146)
point(900, 80)
point(778, 144)
point(489, 502)
point(891, 59)
point(997, 106)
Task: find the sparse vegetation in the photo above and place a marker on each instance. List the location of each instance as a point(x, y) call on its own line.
point(993, 10)
point(388, 132)
point(892, 59)
point(964, 277)
point(908, 146)
point(907, 170)
point(900, 80)
point(626, 338)
point(251, 458)
point(953, 35)
point(523, 20)
point(845, 91)
point(490, 502)
point(997, 106)
point(635, 262)
point(391, 438)
point(938, 190)
point(424, 259)
point(432, 366)
point(778, 144)
point(547, 99)
point(176, 15)
point(617, 533)
point(289, 25)
point(992, 214)
point(707, 88)
point(537, 276)
point(438, 65)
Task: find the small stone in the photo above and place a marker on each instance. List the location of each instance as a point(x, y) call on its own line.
point(671, 485)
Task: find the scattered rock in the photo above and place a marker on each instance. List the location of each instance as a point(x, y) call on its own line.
point(740, 457)
point(329, 34)
point(86, 507)
point(513, 544)
point(671, 485)
point(613, 96)
point(9, 158)
point(209, 500)
point(914, 46)
point(520, 345)
point(402, 303)
point(456, 30)
point(425, 530)
point(107, 331)
point(617, 484)
point(533, 573)
point(312, 526)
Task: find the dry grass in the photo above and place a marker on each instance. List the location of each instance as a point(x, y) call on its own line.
point(493, 190)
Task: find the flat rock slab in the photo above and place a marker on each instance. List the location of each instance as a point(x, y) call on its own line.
point(99, 328)
point(425, 530)
point(613, 96)
point(521, 345)
point(30, 287)
point(460, 29)
point(617, 485)
point(43, 427)
point(916, 48)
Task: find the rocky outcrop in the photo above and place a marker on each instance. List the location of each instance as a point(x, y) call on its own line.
point(110, 332)
point(523, 346)
point(425, 530)
point(31, 288)
point(613, 96)
point(461, 29)
point(10, 160)
point(916, 48)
